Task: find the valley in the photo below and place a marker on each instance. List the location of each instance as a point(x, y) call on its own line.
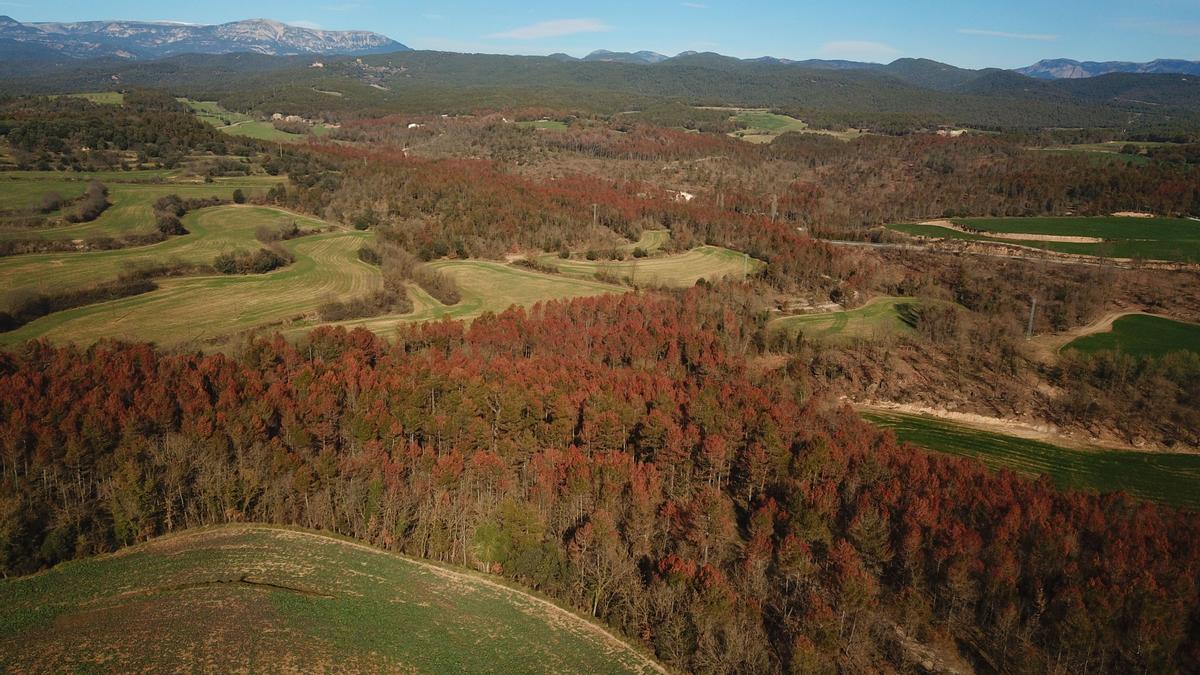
point(318, 352)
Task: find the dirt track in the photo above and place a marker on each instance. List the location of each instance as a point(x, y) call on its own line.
point(1046, 347)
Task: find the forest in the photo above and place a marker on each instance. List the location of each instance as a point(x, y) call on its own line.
point(617, 454)
point(659, 456)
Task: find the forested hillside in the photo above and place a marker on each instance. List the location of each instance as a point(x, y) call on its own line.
point(614, 453)
point(908, 92)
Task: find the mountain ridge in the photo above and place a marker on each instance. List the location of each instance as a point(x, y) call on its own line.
point(150, 40)
point(1060, 69)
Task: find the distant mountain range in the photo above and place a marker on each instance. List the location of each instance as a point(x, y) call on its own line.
point(149, 40)
point(1055, 69)
point(1050, 69)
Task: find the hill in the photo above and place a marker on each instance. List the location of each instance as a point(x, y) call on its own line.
point(142, 39)
point(625, 57)
point(315, 602)
point(1053, 69)
point(905, 95)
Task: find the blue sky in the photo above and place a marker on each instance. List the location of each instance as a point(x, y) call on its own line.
point(1007, 34)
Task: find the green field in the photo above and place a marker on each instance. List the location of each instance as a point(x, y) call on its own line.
point(240, 124)
point(200, 308)
point(1098, 156)
point(210, 232)
point(132, 194)
point(880, 318)
point(761, 126)
point(1172, 239)
point(104, 97)
point(1168, 478)
point(683, 269)
point(651, 241)
point(316, 603)
point(549, 125)
point(485, 287)
point(1142, 335)
point(18, 194)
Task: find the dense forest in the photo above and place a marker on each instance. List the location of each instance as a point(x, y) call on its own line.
point(67, 132)
point(905, 95)
point(617, 454)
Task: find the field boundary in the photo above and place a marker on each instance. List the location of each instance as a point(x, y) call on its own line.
point(1044, 431)
point(445, 571)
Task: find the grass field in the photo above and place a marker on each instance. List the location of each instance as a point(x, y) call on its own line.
point(1142, 335)
point(104, 97)
point(651, 241)
point(485, 287)
point(1098, 156)
point(317, 603)
point(240, 124)
point(549, 125)
point(132, 194)
point(200, 308)
point(1172, 239)
point(683, 269)
point(762, 126)
point(1167, 478)
point(880, 318)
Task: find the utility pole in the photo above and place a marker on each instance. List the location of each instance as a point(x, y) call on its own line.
point(745, 265)
point(1029, 329)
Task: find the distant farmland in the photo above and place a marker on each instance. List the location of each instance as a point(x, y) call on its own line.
point(880, 318)
point(199, 308)
point(1142, 335)
point(1167, 478)
point(315, 602)
point(682, 269)
point(241, 124)
point(1171, 239)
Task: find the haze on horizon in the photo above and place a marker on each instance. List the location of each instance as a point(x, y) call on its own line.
point(971, 35)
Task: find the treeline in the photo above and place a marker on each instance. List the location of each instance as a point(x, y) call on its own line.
point(473, 208)
point(36, 305)
point(68, 132)
point(261, 261)
point(616, 454)
point(93, 202)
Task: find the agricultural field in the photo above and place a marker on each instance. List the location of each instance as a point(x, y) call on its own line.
point(102, 97)
point(485, 287)
point(210, 232)
point(1166, 478)
point(1158, 238)
point(315, 603)
point(651, 241)
point(202, 308)
point(1142, 335)
point(132, 194)
point(761, 126)
point(880, 318)
point(678, 270)
point(241, 124)
point(547, 125)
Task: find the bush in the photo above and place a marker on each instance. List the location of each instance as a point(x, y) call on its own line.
point(52, 201)
point(259, 262)
point(440, 286)
point(370, 255)
point(383, 301)
point(92, 204)
point(239, 197)
point(170, 225)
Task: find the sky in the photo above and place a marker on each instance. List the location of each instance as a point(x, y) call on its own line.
point(1005, 34)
